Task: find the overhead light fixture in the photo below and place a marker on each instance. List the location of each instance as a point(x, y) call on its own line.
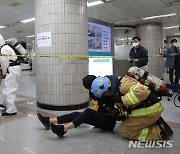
point(27, 20)
point(125, 39)
point(160, 16)
point(31, 36)
point(177, 34)
point(175, 2)
point(94, 3)
point(171, 27)
point(120, 22)
point(1, 27)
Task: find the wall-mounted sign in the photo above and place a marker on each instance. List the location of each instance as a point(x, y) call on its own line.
point(44, 39)
point(100, 66)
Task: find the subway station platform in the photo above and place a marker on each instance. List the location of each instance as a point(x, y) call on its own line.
point(24, 134)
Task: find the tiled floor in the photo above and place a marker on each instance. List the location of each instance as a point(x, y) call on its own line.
point(24, 134)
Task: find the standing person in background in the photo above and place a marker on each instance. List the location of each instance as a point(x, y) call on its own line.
point(138, 55)
point(173, 61)
point(11, 71)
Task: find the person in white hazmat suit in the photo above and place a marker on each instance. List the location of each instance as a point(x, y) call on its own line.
point(11, 73)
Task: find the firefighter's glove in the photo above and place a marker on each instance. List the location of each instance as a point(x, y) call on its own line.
point(122, 111)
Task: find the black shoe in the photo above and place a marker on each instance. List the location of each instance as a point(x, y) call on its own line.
point(8, 114)
point(164, 126)
point(44, 120)
point(2, 107)
point(58, 129)
point(164, 135)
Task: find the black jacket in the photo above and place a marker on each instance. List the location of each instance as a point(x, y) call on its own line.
point(140, 53)
point(104, 100)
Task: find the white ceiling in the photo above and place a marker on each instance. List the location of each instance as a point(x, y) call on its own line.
point(122, 11)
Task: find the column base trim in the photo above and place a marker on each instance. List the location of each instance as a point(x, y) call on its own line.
point(62, 108)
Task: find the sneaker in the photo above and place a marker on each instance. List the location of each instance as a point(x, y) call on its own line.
point(58, 129)
point(8, 114)
point(164, 126)
point(44, 120)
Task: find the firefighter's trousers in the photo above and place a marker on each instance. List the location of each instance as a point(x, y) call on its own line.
point(141, 128)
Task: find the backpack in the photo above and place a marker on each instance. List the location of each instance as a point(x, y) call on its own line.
point(20, 58)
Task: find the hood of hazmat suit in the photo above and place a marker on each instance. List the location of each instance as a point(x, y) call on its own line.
point(2, 42)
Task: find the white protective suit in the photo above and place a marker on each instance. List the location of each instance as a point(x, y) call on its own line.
point(10, 83)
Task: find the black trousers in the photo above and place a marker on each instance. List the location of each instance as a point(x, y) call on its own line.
point(89, 116)
point(177, 73)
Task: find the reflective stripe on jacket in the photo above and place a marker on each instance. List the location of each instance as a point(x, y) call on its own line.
point(147, 111)
point(136, 94)
point(132, 93)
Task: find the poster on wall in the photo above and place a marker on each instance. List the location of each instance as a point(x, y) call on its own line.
point(99, 43)
point(44, 39)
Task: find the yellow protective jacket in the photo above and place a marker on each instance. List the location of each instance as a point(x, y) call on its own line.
point(134, 94)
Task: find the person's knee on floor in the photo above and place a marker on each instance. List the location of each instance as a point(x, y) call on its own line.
point(124, 131)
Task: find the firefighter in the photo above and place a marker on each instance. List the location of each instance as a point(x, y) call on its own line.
point(142, 110)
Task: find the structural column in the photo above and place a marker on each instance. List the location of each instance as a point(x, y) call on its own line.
point(151, 38)
point(59, 74)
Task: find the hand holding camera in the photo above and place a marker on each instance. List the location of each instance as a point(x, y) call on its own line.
point(174, 54)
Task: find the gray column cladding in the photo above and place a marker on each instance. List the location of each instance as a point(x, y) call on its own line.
point(59, 80)
point(151, 38)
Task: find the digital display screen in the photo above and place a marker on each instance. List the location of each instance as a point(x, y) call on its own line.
point(99, 43)
point(99, 37)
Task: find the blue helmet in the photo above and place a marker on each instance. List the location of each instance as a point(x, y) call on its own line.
point(99, 86)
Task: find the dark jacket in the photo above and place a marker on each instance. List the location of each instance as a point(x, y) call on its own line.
point(140, 53)
point(170, 59)
point(114, 90)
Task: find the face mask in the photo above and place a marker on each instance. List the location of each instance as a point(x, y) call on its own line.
point(135, 44)
point(175, 44)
